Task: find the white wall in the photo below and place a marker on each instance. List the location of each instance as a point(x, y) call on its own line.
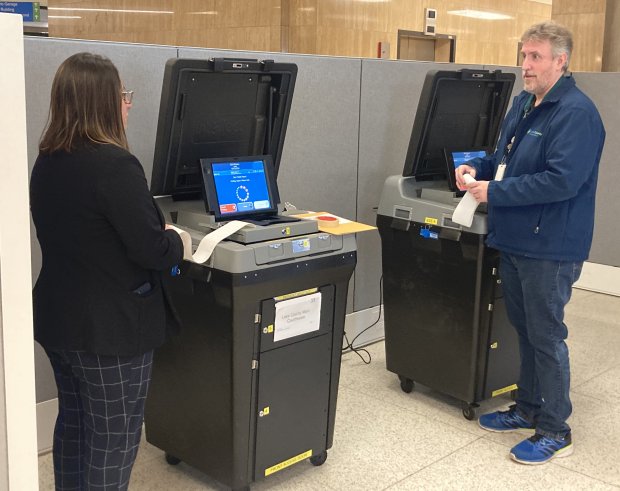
point(18, 440)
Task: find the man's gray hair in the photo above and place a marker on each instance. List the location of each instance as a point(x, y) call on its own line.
point(560, 37)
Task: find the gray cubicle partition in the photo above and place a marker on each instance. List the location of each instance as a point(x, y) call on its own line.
point(141, 68)
point(603, 90)
point(349, 129)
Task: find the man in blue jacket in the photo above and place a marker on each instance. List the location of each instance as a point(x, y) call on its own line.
point(540, 186)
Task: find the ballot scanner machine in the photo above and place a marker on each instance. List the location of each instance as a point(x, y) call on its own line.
point(445, 320)
point(249, 385)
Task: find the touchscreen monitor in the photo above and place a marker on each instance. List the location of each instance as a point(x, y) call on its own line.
point(459, 158)
point(454, 158)
point(237, 188)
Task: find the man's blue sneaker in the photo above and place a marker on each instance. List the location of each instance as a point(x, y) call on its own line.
point(539, 449)
point(503, 421)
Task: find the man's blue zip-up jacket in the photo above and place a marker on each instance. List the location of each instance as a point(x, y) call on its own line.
point(544, 206)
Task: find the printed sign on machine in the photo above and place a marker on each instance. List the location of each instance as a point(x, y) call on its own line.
point(297, 316)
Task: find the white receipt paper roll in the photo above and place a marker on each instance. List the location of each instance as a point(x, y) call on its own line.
point(208, 243)
point(464, 212)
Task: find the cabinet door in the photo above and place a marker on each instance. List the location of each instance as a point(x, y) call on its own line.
point(293, 401)
point(502, 351)
point(268, 319)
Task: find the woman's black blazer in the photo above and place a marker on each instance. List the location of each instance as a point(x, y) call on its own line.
point(104, 251)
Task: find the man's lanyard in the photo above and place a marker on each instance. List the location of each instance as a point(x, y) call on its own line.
point(501, 168)
point(527, 109)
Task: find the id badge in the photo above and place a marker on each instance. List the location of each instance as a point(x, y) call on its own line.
point(499, 175)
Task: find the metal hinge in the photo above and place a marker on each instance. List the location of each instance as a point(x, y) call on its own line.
point(254, 364)
point(490, 307)
point(257, 318)
point(494, 272)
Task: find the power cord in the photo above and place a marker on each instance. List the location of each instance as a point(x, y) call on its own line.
point(359, 351)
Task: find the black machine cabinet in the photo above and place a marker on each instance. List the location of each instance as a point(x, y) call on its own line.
point(445, 320)
point(228, 400)
point(249, 385)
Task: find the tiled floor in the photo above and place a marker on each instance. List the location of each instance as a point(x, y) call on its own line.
point(386, 439)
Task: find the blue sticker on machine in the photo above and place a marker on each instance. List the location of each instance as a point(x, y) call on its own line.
point(301, 245)
point(428, 234)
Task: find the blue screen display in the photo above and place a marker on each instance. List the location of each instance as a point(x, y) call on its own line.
point(241, 187)
point(460, 158)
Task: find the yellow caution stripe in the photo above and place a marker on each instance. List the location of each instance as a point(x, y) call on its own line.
point(296, 294)
point(287, 463)
point(499, 392)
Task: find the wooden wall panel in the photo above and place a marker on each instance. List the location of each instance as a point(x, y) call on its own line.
point(587, 21)
point(478, 40)
point(234, 24)
point(330, 27)
point(302, 13)
point(588, 29)
point(303, 39)
point(578, 6)
point(611, 44)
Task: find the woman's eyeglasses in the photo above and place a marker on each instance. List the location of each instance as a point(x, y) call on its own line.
point(127, 96)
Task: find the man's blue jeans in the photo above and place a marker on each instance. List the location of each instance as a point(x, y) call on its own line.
point(536, 292)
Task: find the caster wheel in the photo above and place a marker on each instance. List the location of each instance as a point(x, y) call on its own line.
point(470, 411)
point(514, 394)
point(406, 384)
point(319, 459)
point(172, 460)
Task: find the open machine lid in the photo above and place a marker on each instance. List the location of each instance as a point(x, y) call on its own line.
point(218, 108)
point(457, 109)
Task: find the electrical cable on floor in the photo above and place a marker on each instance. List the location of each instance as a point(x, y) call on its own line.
point(349, 345)
point(357, 351)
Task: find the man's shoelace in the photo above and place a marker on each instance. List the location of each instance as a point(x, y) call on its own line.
point(512, 416)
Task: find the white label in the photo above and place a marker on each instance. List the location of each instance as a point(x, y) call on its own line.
point(297, 316)
point(499, 175)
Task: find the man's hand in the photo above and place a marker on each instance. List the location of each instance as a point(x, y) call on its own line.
point(479, 190)
point(459, 171)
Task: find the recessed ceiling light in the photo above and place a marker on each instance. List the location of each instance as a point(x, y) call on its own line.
point(123, 11)
point(480, 14)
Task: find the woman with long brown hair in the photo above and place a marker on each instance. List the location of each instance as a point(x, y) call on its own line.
point(99, 303)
